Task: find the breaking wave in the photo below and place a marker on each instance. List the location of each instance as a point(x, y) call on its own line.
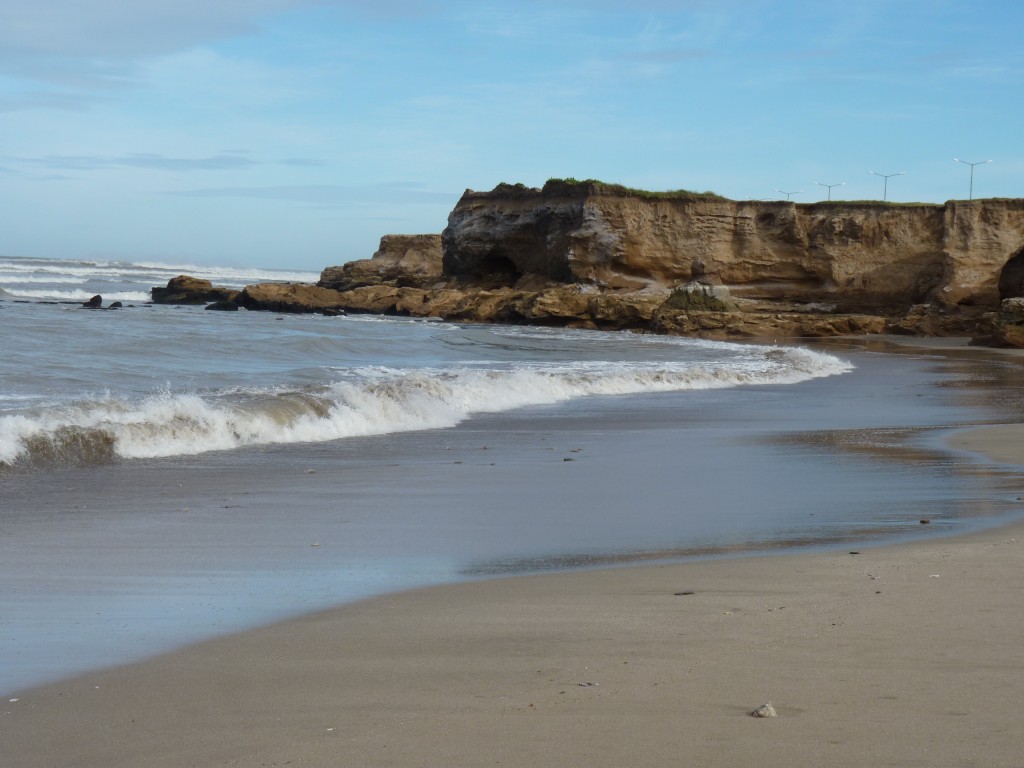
point(361, 401)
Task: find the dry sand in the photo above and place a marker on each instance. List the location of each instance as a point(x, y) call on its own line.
point(907, 655)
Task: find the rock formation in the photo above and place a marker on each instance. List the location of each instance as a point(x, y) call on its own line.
point(587, 254)
point(856, 256)
point(402, 261)
point(185, 289)
point(291, 297)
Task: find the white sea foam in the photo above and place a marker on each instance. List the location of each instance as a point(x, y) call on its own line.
point(238, 275)
point(21, 279)
point(367, 401)
point(72, 268)
point(76, 295)
point(22, 270)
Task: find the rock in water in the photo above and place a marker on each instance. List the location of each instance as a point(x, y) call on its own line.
point(96, 302)
point(765, 710)
point(223, 306)
point(185, 289)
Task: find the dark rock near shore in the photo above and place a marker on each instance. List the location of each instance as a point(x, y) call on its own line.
point(223, 306)
point(185, 289)
point(96, 302)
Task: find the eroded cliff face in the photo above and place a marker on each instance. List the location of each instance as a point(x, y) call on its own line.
point(855, 257)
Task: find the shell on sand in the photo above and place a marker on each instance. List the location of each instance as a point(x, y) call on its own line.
point(765, 710)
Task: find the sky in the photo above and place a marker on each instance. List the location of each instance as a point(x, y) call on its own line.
point(294, 133)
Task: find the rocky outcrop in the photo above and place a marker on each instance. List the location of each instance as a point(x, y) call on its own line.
point(592, 255)
point(728, 268)
point(410, 261)
point(855, 256)
point(185, 289)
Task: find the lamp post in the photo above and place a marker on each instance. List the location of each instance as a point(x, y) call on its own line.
point(885, 184)
point(788, 194)
point(970, 195)
point(841, 183)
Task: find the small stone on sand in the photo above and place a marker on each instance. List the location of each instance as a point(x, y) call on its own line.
point(765, 710)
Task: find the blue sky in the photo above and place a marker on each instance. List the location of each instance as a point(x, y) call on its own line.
point(294, 133)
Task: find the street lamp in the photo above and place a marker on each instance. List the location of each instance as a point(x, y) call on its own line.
point(980, 162)
point(885, 185)
point(841, 183)
point(789, 194)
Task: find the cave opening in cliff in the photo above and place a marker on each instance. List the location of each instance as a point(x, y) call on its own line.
point(1011, 279)
point(497, 271)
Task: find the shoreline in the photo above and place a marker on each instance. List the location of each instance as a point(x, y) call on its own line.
point(901, 654)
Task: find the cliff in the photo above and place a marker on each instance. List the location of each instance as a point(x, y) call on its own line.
point(593, 255)
point(854, 256)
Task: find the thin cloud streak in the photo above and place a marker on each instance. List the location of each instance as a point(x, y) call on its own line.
point(328, 193)
point(146, 161)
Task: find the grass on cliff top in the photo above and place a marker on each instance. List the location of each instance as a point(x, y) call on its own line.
point(582, 186)
point(875, 203)
point(675, 194)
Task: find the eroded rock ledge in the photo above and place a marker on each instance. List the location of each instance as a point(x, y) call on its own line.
point(586, 254)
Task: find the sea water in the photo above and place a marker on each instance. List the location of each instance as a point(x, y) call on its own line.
point(87, 387)
point(169, 473)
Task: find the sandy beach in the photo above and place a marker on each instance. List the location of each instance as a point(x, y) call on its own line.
point(902, 655)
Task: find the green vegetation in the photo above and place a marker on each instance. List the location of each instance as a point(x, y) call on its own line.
point(577, 187)
point(676, 194)
point(504, 186)
point(873, 203)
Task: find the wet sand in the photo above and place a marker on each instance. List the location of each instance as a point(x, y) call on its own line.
point(104, 565)
point(904, 655)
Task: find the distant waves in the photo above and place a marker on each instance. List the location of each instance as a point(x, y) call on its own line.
point(49, 279)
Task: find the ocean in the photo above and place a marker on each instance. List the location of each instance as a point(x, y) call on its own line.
point(169, 474)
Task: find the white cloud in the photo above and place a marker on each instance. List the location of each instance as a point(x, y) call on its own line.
point(331, 194)
point(147, 161)
point(128, 30)
point(124, 29)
